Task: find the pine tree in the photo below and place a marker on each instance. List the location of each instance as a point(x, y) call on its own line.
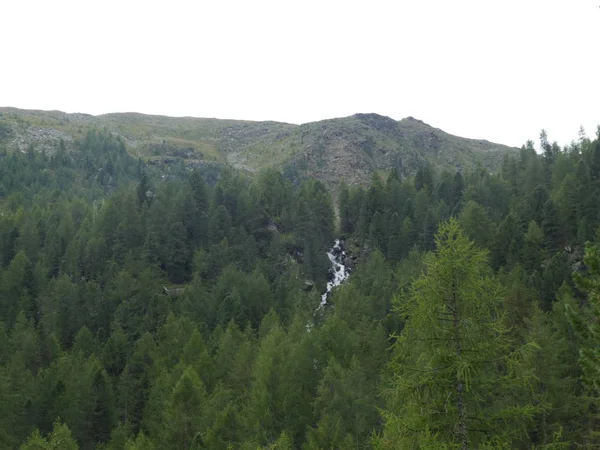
point(346, 404)
point(456, 192)
point(551, 227)
point(533, 251)
point(399, 233)
point(143, 190)
point(346, 225)
point(377, 232)
point(556, 378)
point(587, 327)
point(183, 416)
point(134, 383)
point(60, 439)
point(455, 376)
point(475, 221)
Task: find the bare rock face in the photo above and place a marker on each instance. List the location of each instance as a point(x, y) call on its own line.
point(575, 259)
point(382, 124)
point(42, 139)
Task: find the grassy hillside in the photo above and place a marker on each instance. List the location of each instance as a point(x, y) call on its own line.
point(349, 148)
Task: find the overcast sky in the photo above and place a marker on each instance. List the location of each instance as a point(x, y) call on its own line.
point(498, 70)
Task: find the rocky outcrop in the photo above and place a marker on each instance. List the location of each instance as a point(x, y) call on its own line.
point(41, 139)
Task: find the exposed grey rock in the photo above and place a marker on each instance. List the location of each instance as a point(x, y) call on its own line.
point(308, 285)
point(42, 139)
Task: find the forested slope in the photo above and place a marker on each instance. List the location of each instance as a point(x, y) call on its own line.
point(151, 307)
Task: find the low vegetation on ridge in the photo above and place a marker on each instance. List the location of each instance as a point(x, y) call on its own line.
point(332, 151)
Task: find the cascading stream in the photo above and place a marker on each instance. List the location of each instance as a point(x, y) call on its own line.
point(338, 271)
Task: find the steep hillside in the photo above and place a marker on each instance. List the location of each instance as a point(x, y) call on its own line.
point(349, 148)
point(354, 147)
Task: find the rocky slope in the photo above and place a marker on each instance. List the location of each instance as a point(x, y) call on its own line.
point(348, 149)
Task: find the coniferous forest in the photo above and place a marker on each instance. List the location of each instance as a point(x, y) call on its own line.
point(146, 307)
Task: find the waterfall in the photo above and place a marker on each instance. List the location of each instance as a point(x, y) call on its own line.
point(338, 272)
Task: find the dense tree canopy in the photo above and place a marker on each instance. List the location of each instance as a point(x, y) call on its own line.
point(160, 306)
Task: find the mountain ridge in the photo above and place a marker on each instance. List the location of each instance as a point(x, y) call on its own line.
point(348, 149)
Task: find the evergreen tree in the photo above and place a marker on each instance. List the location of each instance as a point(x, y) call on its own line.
point(60, 439)
point(456, 192)
point(183, 416)
point(586, 325)
point(346, 225)
point(455, 375)
point(476, 223)
point(377, 232)
point(552, 228)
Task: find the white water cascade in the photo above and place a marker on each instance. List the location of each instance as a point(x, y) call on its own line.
point(338, 272)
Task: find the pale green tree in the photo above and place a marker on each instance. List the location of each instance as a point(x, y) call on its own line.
point(60, 439)
point(456, 377)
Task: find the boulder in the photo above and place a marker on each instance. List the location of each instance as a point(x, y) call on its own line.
point(308, 285)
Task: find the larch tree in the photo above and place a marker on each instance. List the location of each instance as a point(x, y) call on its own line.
point(455, 376)
point(60, 438)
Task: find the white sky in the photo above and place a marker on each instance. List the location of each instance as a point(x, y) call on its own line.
point(498, 70)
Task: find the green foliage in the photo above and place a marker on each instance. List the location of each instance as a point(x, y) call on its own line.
point(476, 223)
point(183, 414)
point(453, 365)
point(160, 306)
point(59, 439)
point(586, 326)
